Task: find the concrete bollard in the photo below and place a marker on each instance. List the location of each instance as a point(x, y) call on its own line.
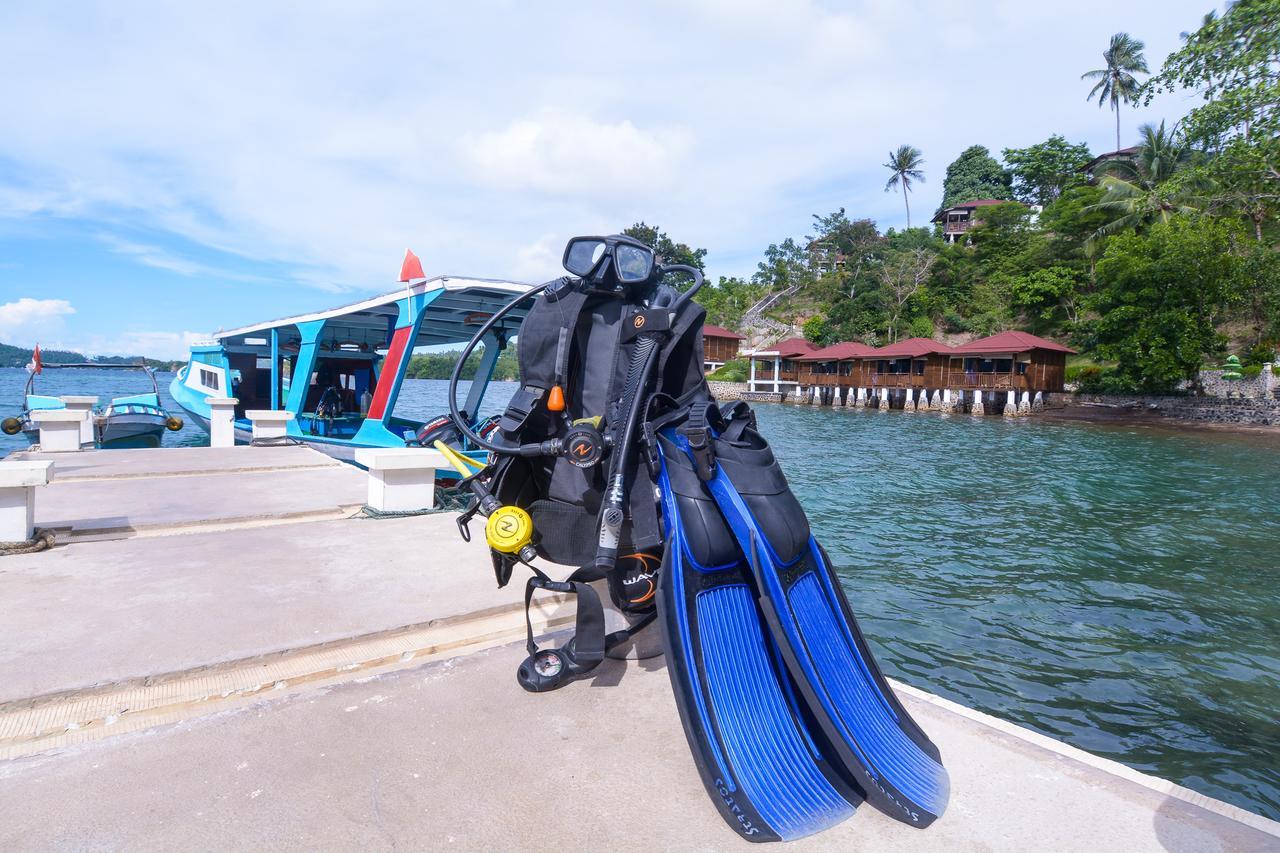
point(84, 407)
point(1010, 407)
point(60, 429)
point(401, 479)
point(222, 421)
point(269, 424)
point(17, 496)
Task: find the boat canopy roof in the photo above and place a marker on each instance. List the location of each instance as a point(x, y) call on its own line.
point(457, 307)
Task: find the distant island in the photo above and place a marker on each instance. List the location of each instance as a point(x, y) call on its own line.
point(11, 356)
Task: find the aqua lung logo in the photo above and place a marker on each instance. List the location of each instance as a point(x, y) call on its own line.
point(748, 828)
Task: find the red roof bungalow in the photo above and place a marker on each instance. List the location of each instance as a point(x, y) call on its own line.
point(718, 346)
point(775, 368)
point(833, 365)
point(959, 219)
point(1016, 361)
point(913, 363)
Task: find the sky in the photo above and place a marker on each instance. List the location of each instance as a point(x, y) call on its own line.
point(167, 170)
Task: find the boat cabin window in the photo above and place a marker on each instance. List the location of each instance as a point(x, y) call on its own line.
point(209, 379)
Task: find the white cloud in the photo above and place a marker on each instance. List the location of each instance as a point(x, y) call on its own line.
point(540, 261)
point(327, 139)
point(574, 155)
point(163, 345)
point(26, 321)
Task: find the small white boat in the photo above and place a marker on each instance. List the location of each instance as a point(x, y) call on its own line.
point(136, 420)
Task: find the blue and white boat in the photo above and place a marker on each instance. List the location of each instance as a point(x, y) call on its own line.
point(340, 371)
point(136, 420)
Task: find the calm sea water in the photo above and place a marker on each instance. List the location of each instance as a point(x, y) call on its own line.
point(1114, 587)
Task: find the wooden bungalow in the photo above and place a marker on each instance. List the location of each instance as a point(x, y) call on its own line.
point(955, 221)
point(718, 346)
point(775, 369)
point(840, 365)
point(1012, 361)
point(913, 363)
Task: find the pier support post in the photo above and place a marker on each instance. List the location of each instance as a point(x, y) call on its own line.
point(18, 481)
point(222, 421)
point(946, 400)
point(884, 400)
point(977, 408)
point(1037, 402)
point(860, 401)
point(909, 403)
point(84, 407)
point(401, 479)
point(60, 429)
point(1024, 403)
point(1011, 407)
point(269, 424)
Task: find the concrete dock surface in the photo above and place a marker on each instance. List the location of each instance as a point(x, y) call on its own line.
point(241, 675)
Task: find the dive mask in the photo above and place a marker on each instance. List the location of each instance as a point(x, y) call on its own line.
point(617, 264)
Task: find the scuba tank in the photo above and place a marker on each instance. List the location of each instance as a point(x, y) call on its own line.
point(567, 483)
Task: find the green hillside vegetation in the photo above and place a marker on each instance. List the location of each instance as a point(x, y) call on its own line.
point(439, 365)
point(12, 356)
point(1161, 264)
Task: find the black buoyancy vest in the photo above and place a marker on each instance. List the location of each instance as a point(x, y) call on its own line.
point(577, 338)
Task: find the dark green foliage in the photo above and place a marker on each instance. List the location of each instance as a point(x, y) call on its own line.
point(1231, 63)
point(439, 365)
point(975, 174)
point(728, 300)
point(1251, 371)
point(669, 251)
point(1162, 295)
point(11, 356)
point(1042, 172)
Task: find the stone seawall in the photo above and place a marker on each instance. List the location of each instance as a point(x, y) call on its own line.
point(1224, 410)
point(724, 391)
point(1262, 385)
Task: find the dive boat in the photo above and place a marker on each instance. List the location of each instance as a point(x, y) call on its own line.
point(136, 420)
point(340, 371)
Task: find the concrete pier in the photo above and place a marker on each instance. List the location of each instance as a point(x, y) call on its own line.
point(250, 664)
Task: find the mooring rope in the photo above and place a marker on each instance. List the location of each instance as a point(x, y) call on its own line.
point(40, 540)
point(278, 441)
point(447, 500)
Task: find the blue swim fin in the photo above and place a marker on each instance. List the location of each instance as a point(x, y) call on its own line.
point(772, 590)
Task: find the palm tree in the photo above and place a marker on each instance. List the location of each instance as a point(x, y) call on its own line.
point(905, 164)
point(1137, 192)
point(1116, 82)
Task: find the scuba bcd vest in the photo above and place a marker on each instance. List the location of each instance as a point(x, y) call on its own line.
point(568, 481)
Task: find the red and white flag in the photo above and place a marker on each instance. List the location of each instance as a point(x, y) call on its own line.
point(36, 366)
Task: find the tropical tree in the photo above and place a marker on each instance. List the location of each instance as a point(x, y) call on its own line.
point(1162, 297)
point(905, 165)
point(1140, 192)
point(1116, 82)
point(1042, 172)
point(973, 175)
point(1232, 63)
